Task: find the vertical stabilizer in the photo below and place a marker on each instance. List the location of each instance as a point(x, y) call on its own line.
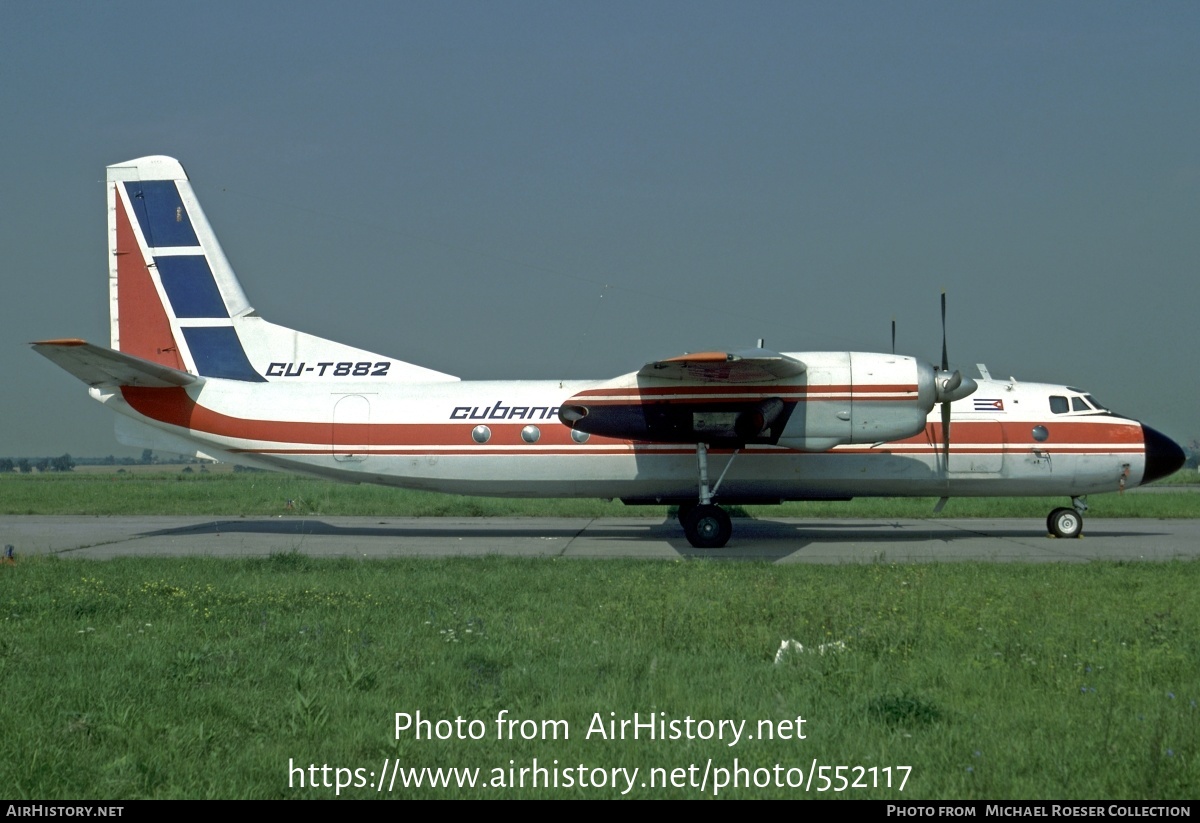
point(174, 299)
point(173, 295)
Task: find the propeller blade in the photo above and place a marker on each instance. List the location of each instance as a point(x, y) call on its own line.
point(893, 335)
point(946, 389)
point(946, 436)
point(945, 357)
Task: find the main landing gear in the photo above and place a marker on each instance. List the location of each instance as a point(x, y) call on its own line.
point(1064, 522)
point(706, 524)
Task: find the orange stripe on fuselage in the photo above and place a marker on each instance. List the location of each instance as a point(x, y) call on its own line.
point(175, 407)
point(1018, 434)
point(767, 390)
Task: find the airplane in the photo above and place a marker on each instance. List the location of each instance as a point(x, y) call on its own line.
point(192, 368)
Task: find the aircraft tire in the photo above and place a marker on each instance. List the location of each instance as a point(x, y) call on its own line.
point(1066, 523)
point(684, 510)
point(708, 527)
point(1050, 520)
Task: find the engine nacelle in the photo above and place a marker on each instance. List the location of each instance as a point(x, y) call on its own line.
point(840, 398)
point(859, 397)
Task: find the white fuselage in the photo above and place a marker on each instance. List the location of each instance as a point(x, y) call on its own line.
point(504, 438)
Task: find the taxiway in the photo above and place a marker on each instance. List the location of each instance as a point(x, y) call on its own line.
point(785, 540)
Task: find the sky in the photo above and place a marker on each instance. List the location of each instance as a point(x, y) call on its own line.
point(571, 189)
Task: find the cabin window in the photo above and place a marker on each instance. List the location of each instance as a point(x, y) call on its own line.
point(531, 434)
point(1040, 434)
point(481, 434)
point(580, 437)
point(1058, 405)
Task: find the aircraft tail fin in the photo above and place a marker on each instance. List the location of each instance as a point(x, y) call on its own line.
point(175, 301)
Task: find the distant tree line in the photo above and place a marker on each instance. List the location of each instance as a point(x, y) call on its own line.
point(26, 465)
point(66, 463)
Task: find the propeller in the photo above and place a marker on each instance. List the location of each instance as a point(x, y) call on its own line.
point(950, 387)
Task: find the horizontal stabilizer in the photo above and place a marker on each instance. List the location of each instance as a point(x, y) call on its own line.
point(746, 366)
point(98, 366)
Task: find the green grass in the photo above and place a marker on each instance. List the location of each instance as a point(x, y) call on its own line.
point(266, 494)
point(257, 493)
point(1183, 477)
point(191, 678)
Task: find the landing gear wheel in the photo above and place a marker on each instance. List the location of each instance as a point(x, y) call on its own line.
point(1065, 523)
point(1050, 520)
point(684, 510)
point(707, 527)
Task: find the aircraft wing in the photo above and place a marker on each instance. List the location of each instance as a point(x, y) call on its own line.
point(98, 366)
point(746, 366)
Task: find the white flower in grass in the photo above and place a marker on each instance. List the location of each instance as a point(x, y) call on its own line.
point(787, 647)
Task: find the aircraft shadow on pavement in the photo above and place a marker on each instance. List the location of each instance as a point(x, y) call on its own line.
point(320, 528)
point(765, 539)
point(752, 540)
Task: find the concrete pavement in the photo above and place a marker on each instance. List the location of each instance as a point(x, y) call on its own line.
point(784, 540)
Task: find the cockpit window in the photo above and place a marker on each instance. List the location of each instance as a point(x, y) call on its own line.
point(1095, 403)
point(1077, 404)
point(1058, 405)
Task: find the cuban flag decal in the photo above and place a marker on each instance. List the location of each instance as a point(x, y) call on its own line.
point(989, 404)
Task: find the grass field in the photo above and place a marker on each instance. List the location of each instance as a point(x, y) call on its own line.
point(170, 491)
point(203, 678)
point(195, 678)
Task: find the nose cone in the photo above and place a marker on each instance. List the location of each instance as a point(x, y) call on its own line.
point(1163, 455)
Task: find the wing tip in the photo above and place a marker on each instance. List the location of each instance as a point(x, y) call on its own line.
point(60, 342)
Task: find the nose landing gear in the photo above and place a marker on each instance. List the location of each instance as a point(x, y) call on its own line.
point(1064, 522)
